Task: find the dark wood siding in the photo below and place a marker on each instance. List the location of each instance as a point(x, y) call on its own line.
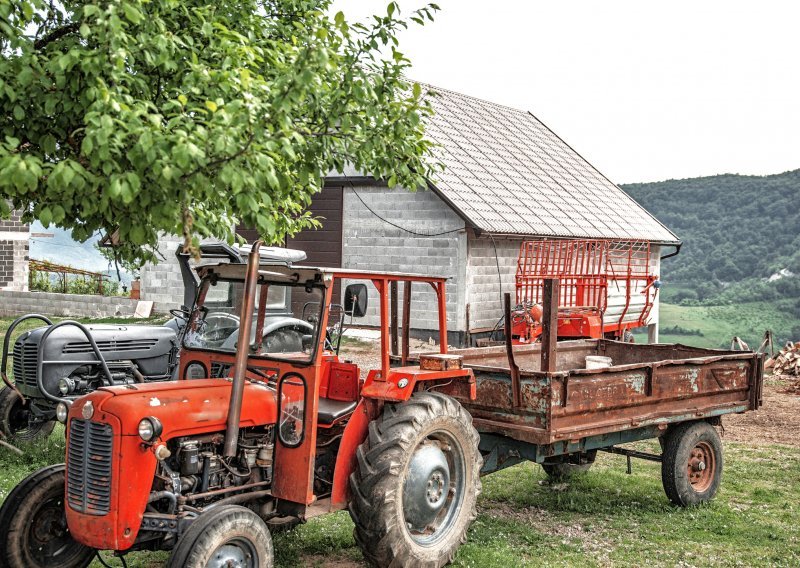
point(324, 245)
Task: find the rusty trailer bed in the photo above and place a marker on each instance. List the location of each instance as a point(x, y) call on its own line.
point(647, 388)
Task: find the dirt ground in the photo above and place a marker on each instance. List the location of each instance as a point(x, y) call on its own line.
point(776, 422)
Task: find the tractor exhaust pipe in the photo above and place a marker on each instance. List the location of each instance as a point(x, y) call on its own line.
point(242, 352)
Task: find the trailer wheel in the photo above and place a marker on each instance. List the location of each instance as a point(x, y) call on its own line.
point(575, 464)
point(228, 536)
point(33, 525)
point(417, 482)
point(14, 419)
point(691, 464)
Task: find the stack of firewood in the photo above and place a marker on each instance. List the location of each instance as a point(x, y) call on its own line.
point(786, 361)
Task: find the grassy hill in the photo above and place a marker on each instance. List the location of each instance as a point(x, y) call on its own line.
point(738, 272)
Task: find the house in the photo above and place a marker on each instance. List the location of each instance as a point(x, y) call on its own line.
point(14, 235)
point(507, 178)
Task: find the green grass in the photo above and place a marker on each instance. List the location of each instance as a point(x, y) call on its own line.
point(604, 518)
point(718, 324)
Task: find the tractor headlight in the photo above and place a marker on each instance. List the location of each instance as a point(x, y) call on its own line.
point(88, 410)
point(62, 411)
point(195, 371)
point(65, 386)
point(150, 428)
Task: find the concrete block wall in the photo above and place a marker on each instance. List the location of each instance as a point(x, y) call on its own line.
point(161, 283)
point(484, 286)
point(17, 303)
point(14, 235)
point(370, 243)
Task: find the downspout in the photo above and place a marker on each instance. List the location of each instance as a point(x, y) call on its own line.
point(677, 250)
point(242, 352)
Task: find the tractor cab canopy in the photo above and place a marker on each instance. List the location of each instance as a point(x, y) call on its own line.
point(295, 305)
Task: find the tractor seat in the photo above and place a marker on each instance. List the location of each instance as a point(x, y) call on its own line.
point(329, 411)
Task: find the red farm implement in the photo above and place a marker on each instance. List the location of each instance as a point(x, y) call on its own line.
point(607, 288)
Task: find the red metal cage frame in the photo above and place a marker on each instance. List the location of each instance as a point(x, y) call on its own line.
point(586, 269)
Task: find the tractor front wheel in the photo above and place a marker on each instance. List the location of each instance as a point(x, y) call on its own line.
point(691, 463)
point(228, 536)
point(15, 419)
point(417, 482)
point(33, 525)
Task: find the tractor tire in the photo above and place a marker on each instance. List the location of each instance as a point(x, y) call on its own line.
point(691, 463)
point(14, 419)
point(416, 484)
point(575, 464)
point(231, 535)
point(33, 525)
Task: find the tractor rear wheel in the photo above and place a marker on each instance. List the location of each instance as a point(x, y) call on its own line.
point(691, 463)
point(228, 536)
point(573, 464)
point(33, 525)
point(417, 482)
point(15, 419)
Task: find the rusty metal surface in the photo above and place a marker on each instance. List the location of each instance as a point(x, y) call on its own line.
point(440, 362)
point(653, 385)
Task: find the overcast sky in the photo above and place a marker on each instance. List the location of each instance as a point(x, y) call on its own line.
point(645, 91)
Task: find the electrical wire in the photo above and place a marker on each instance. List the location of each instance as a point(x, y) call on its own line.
point(396, 226)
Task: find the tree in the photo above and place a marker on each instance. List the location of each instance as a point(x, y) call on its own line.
point(188, 117)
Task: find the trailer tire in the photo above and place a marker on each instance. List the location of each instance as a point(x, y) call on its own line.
point(576, 464)
point(230, 533)
point(14, 419)
point(691, 463)
point(415, 488)
point(32, 519)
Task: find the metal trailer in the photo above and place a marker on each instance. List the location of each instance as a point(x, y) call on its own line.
point(540, 403)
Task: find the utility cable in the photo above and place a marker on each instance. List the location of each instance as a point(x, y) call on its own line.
point(396, 226)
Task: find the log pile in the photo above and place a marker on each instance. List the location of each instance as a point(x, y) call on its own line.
point(786, 361)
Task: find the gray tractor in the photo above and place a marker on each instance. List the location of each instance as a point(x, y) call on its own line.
point(66, 360)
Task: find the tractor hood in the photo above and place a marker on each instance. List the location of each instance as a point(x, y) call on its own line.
point(183, 407)
point(110, 470)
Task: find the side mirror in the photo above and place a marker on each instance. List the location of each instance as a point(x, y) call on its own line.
point(355, 300)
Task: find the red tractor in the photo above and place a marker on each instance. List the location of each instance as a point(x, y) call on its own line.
point(278, 430)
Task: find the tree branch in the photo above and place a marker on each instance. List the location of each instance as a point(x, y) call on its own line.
point(56, 34)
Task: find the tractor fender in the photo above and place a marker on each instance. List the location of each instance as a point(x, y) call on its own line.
point(346, 461)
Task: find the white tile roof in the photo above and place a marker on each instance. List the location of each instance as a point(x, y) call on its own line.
point(508, 173)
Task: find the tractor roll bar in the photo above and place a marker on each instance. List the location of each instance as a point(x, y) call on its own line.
point(7, 340)
point(240, 365)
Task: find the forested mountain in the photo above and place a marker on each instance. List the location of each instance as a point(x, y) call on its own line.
point(741, 236)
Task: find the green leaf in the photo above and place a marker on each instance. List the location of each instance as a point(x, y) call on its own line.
point(45, 216)
point(19, 113)
point(211, 105)
point(131, 13)
point(183, 100)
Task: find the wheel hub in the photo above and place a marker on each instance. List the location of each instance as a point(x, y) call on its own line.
point(231, 556)
point(700, 467)
point(426, 486)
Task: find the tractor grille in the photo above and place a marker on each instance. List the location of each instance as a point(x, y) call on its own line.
point(89, 467)
point(25, 363)
point(121, 345)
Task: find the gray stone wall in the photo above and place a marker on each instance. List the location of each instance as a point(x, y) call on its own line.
point(13, 253)
point(161, 283)
point(371, 243)
point(17, 303)
point(484, 286)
